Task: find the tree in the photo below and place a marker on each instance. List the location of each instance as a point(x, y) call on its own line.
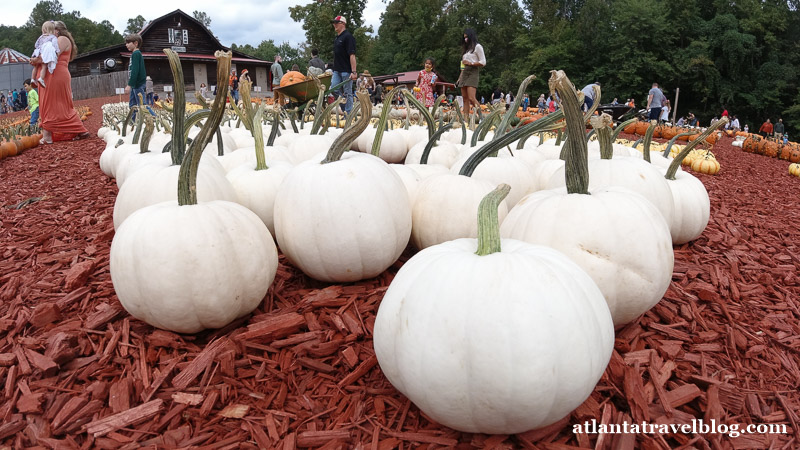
point(202, 17)
point(135, 25)
point(43, 11)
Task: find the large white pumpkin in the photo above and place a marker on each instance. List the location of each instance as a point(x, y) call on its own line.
point(500, 343)
point(188, 268)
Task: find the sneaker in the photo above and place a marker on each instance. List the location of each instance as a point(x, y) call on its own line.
point(41, 82)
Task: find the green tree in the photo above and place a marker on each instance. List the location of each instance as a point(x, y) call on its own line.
point(135, 25)
point(202, 17)
point(43, 11)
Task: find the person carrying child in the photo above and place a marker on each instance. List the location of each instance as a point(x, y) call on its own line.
point(47, 50)
point(426, 78)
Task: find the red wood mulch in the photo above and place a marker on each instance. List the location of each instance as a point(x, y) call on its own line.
point(77, 371)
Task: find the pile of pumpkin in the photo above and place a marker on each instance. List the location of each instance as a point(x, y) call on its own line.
point(668, 132)
point(523, 274)
point(17, 137)
point(752, 143)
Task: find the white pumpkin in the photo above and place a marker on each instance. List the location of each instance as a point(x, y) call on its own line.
point(346, 218)
point(188, 268)
point(616, 235)
point(256, 189)
point(692, 207)
point(445, 209)
point(497, 343)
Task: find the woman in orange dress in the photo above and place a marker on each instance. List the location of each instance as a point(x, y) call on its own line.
point(60, 121)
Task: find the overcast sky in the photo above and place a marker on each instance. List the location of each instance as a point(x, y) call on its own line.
point(232, 21)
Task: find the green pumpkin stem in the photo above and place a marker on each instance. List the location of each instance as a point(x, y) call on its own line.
point(412, 100)
point(489, 221)
point(676, 163)
point(149, 126)
point(178, 147)
point(383, 119)
point(492, 147)
point(577, 160)
point(187, 177)
point(220, 144)
point(621, 127)
point(602, 126)
point(273, 132)
point(139, 120)
point(672, 142)
point(512, 111)
point(648, 138)
point(343, 142)
point(463, 125)
point(427, 151)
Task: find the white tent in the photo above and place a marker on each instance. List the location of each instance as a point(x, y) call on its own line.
point(15, 68)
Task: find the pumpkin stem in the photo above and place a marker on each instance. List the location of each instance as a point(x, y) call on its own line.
point(672, 141)
point(621, 127)
point(463, 126)
point(220, 145)
point(577, 158)
point(187, 177)
point(427, 151)
point(648, 138)
point(542, 124)
point(149, 126)
point(676, 163)
point(178, 147)
point(483, 127)
point(347, 137)
point(602, 126)
point(384, 117)
point(273, 132)
point(489, 221)
point(423, 111)
point(258, 135)
point(139, 120)
point(512, 111)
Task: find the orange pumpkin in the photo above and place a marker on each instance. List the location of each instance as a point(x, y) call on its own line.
point(292, 77)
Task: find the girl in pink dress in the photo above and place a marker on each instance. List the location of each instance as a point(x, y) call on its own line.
point(425, 82)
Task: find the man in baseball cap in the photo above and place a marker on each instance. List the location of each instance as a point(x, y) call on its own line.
point(344, 61)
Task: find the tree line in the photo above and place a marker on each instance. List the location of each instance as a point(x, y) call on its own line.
point(742, 56)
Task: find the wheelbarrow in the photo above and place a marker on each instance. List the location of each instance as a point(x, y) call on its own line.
point(617, 112)
point(300, 94)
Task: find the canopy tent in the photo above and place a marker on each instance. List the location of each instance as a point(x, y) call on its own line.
point(15, 68)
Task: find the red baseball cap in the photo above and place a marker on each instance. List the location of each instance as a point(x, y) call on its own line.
point(339, 19)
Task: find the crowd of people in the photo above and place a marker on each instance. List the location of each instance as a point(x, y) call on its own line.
point(47, 94)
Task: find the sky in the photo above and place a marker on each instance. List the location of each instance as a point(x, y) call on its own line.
point(232, 21)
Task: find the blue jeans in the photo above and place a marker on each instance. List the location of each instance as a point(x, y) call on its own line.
point(134, 99)
point(587, 103)
point(235, 95)
point(149, 99)
point(347, 89)
point(34, 116)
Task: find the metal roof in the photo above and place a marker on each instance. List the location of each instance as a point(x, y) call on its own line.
point(11, 56)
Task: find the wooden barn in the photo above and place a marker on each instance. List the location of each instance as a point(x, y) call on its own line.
point(194, 43)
